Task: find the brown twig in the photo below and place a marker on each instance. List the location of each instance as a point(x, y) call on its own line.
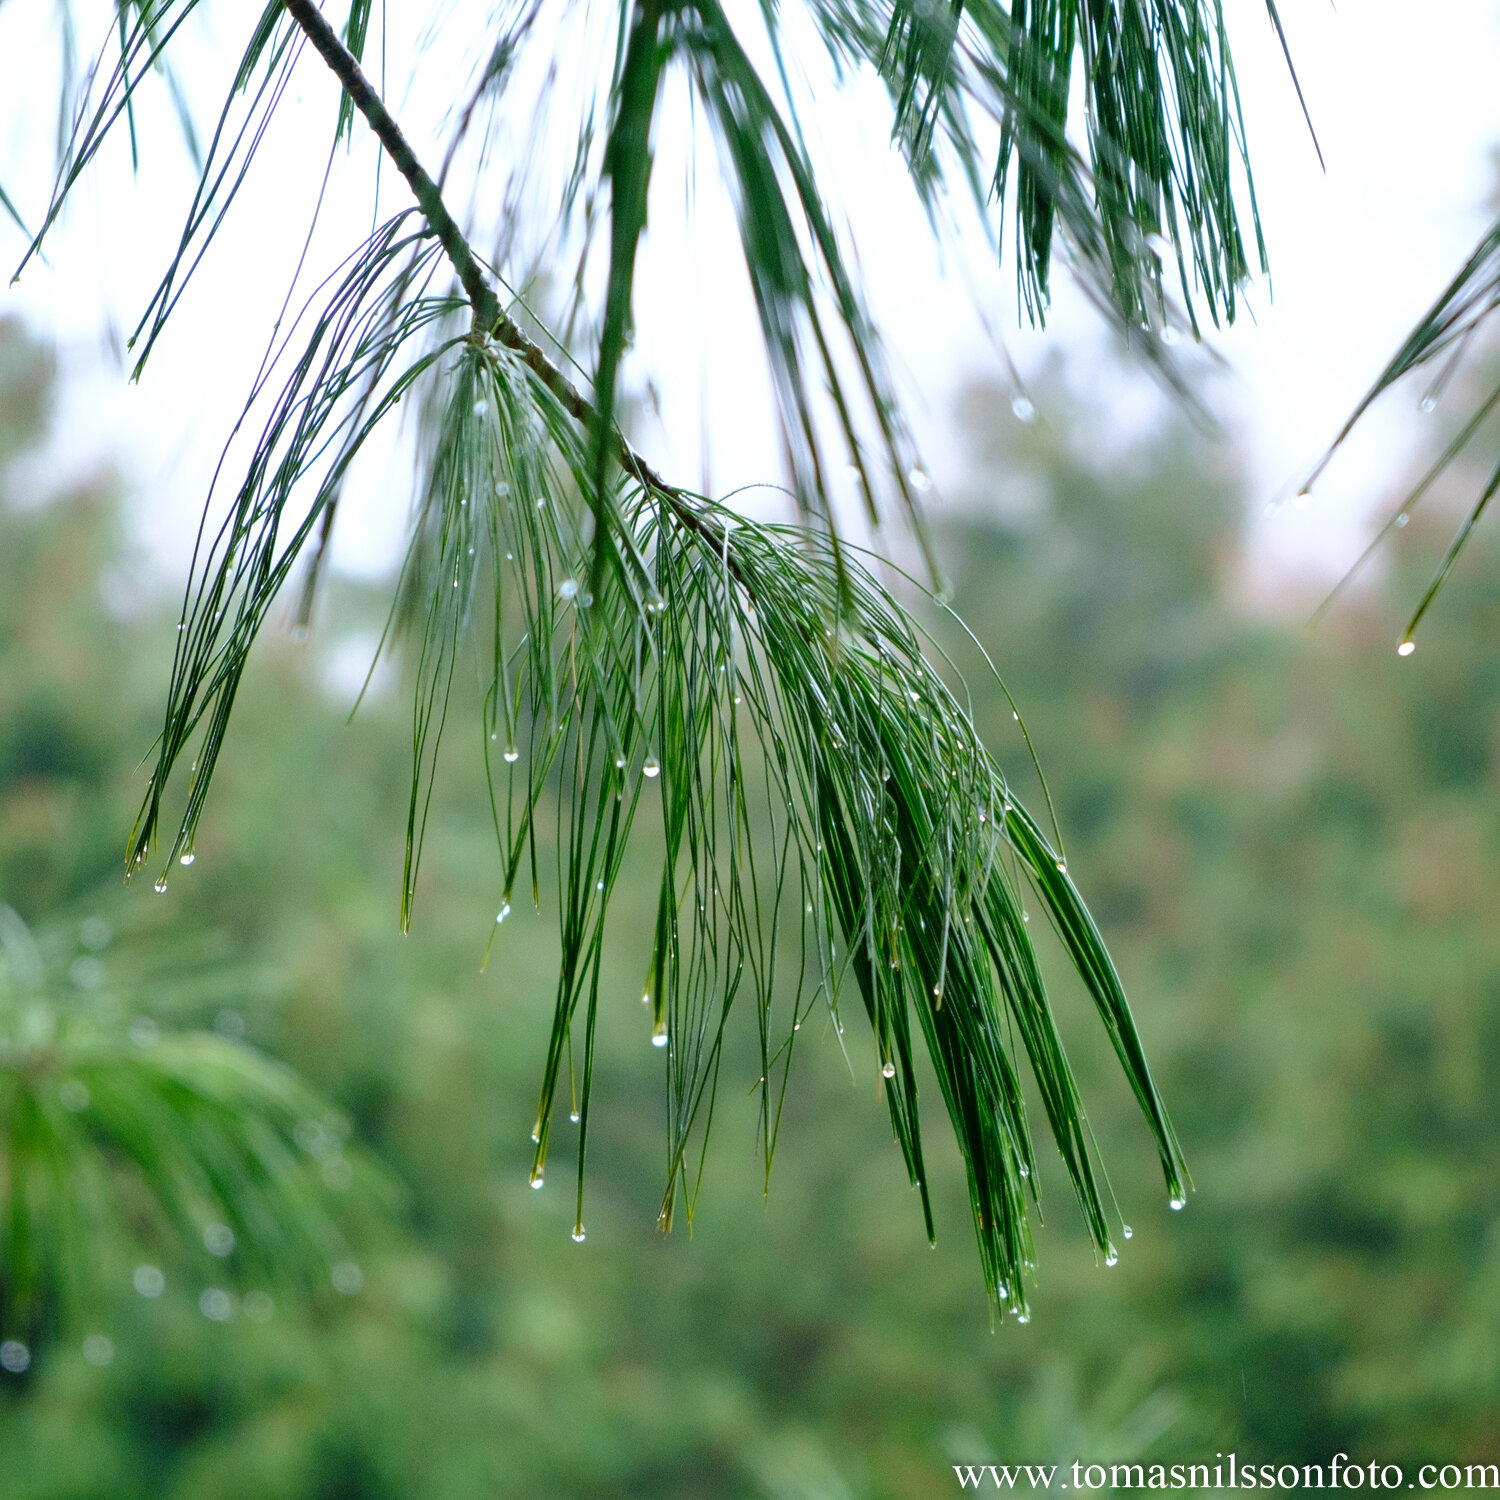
point(489, 320)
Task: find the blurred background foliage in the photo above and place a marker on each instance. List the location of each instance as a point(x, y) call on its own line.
point(1291, 839)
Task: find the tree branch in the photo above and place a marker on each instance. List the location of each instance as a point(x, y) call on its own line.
point(482, 297)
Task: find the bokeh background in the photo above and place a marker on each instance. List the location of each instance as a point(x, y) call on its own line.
point(1290, 837)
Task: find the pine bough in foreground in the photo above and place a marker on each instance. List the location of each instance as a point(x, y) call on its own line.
point(831, 825)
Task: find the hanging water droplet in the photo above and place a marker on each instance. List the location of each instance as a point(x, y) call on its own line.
point(1003, 1291)
point(578, 1233)
point(161, 885)
point(1023, 408)
point(574, 1116)
point(536, 1177)
point(568, 588)
point(536, 1133)
point(1427, 403)
point(503, 913)
point(181, 625)
point(1111, 1256)
point(918, 479)
point(481, 408)
point(652, 766)
point(889, 1070)
point(512, 755)
point(646, 998)
point(1406, 648)
point(1129, 1232)
point(659, 1034)
point(619, 762)
point(1023, 1317)
point(187, 858)
point(1176, 1204)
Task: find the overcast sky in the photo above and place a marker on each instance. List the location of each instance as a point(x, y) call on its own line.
point(1404, 113)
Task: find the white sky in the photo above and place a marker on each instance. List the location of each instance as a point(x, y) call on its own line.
point(1402, 98)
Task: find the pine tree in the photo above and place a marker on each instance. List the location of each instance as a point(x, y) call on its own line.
point(828, 816)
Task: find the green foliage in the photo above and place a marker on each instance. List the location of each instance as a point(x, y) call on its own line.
point(1292, 840)
point(1444, 334)
point(115, 1136)
point(628, 613)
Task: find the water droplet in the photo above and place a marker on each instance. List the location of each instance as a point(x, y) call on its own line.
point(536, 1133)
point(502, 489)
point(98, 1349)
point(574, 1116)
point(1024, 1170)
point(161, 885)
point(598, 885)
point(510, 557)
point(889, 1070)
point(216, 1305)
point(659, 1034)
point(1176, 1204)
point(1015, 716)
point(1111, 1256)
point(1129, 1232)
point(347, 1278)
point(218, 1239)
point(1404, 649)
point(1023, 408)
point(537, 1178)
point(259, 1307)
point(1427, 403)
point(619, 762)
point(1062, 868)
point(471, 552)
point(652, 766)
point(481, 408)
point(937, 991)
point(1003, 1291)
point(503, 913)
point(646, 998)
point(578, 1233)
point(511, 755)
point(568, 588)
point(919, 479)
point(1023, 1317)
